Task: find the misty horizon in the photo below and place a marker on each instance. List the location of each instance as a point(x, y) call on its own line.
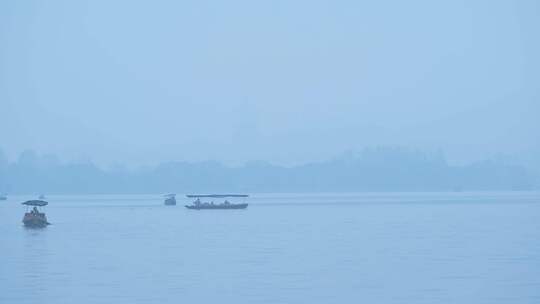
point(329, 151)
point(52, 158)
point(379, 169)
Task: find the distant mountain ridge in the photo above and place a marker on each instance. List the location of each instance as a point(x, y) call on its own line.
point(377, 169)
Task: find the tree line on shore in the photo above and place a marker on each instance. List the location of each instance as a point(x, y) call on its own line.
point(376, 169)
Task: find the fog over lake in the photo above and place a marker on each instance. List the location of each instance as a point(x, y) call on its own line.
point(270, 151)
point(379, 169)
point(140, 83)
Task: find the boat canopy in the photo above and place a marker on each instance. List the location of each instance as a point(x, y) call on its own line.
point(35, 203)
point(216, 195)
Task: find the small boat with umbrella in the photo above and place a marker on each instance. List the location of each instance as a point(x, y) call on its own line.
point(35, 218)
point(198, 205)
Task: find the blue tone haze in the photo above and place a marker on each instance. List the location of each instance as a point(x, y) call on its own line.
point(391, 150)
point(288, 82)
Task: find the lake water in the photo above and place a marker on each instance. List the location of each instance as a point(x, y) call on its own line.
point(285, 248)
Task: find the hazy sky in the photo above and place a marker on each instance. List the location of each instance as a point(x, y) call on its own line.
point(140, 82)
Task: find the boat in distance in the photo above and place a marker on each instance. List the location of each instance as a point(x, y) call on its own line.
point(170, 199)
point(198, 205)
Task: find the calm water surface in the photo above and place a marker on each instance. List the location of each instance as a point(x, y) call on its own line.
point(285, 248)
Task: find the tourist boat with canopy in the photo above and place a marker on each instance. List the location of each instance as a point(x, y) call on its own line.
point(198, 205)
point(35, 218)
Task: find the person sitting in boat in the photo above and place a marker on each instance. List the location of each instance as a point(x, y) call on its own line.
point(35, 210)
point(226, 202)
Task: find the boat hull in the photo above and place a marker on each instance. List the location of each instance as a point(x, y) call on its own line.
point(170, 202)
point(35, 221)
point(212, 207)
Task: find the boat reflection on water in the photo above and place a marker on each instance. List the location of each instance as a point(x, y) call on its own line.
point(35, 218)
point(198, 205)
